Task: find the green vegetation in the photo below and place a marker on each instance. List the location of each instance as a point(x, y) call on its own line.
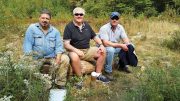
point(174, 42)
point(152, 25)
point(157, 84)
point(26, 8)
point(18, 81)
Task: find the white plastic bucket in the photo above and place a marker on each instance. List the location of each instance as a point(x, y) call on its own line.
point(57, 94)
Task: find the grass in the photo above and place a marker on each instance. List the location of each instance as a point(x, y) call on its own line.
point(17, 80)
point(156, 80)
point(174, 42)
point(157, 85)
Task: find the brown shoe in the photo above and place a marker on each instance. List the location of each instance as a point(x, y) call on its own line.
point(125, 69)
point(109, 76)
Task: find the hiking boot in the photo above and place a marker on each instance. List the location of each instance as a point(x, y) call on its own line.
point(109, 76)
point(79, 85)
point(125, 69)
point(102, 79)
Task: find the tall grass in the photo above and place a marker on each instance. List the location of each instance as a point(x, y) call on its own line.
point(157, 84)
point(174, 42)
point(149, 26)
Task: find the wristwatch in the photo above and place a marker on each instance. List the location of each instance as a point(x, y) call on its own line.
point(98, 45)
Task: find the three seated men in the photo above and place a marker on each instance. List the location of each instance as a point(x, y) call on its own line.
point(43, 41)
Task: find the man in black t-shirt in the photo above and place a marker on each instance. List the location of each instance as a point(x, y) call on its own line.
point(77, 35)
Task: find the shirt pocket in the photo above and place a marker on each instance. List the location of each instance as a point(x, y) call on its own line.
point(52, 41)
point(38, 41)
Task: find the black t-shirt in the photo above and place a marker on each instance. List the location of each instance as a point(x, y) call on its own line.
point(79, 38)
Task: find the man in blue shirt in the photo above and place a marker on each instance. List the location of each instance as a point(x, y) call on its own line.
point(44, 43)
point(111, 34)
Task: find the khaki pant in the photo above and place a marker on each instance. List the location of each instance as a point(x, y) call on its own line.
point(89, 54)
point(60, 70)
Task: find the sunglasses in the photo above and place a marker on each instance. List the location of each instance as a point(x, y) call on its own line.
point(115, 18)
point(78, 14)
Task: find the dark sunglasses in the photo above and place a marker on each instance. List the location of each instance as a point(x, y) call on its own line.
point(76, 14)
point(115, 18)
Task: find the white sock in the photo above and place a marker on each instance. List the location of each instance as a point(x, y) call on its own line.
point(97, 74)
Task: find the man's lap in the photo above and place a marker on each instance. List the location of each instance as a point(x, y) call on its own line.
point(89, 54)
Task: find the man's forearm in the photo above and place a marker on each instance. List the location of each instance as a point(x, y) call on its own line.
point(70, 47)
point(98, 40)
point(111, 44)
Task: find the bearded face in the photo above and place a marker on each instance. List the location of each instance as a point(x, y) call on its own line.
point(44, 20)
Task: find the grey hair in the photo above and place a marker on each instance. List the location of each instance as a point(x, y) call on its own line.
point(46, 11)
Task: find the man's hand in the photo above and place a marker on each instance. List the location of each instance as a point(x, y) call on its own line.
point(80, 53)
point(58, 59)
point(101, 49)
point(124, 47)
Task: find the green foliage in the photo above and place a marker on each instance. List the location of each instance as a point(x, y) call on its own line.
point(149, 12)
point(12, 11)
point(133, 7)
point(157, 84)
point(174, 42)
point(31, 8)
point(18, 81)
point(97, 8)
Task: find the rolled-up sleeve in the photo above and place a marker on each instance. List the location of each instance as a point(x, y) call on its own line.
point(28, 41)
point(103, 34)
point(123, 34)
point(59, 44)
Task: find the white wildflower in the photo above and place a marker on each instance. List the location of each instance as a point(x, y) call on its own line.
point(46, 76)
point(6, 98)
point(26, 82)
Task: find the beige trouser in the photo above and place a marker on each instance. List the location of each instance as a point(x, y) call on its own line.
point(90, 54)
point(60, 70)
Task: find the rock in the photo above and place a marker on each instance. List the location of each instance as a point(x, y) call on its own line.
point(86, 67)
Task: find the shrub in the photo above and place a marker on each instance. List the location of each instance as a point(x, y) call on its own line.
point(150, 11)
point(157, 84)
point(174, 42)
point(18, 82)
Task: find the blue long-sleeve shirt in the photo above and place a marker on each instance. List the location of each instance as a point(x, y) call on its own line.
point(45, 45)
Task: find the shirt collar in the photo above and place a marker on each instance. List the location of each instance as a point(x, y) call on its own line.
point(80, 28)
point(49, 30)
point(75, 24)
point(109, 25)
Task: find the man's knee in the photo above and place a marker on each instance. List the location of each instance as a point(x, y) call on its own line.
point(64, 65)
point(110, 50)
point(65, 59)
point(74, 57)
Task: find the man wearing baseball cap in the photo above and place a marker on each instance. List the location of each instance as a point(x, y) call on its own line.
point(77, 36)
point(111, 34)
